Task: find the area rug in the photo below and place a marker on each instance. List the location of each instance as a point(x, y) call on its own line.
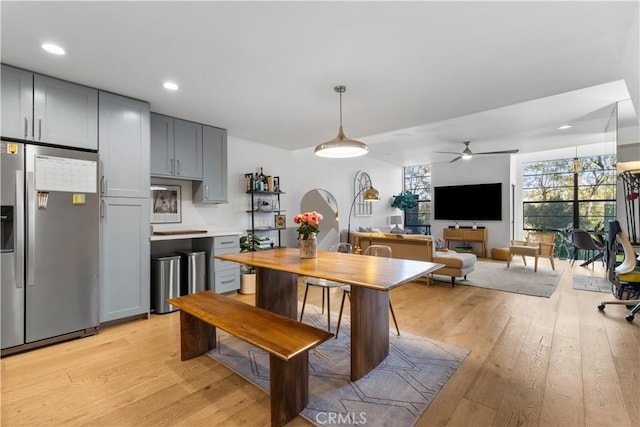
point(518, 278)
point(395, 393)
point(590, 283)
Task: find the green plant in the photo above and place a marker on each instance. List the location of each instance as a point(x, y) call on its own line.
point(405, 200)
point(249, 243)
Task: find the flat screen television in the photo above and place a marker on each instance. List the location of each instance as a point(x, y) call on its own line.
point(477, 202)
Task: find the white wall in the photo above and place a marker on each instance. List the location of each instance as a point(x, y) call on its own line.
point(478, 170)
point(299, 172)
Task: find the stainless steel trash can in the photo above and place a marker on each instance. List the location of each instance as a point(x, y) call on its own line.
point(193, 271)
point(166, 282)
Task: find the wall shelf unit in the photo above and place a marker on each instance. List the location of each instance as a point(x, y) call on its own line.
point(264, 212)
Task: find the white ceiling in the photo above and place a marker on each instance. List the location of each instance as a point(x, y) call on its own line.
point(420, 76)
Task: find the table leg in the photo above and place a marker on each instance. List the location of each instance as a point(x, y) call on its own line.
point(196, 337)
point(277, 291)
point(289, 387)
point(369, 329)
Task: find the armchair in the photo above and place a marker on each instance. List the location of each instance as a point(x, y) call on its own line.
point(537, 245)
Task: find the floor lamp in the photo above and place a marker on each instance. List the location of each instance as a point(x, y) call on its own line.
point(370, 195)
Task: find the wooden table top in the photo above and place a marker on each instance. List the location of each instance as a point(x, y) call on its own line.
point(358, 270)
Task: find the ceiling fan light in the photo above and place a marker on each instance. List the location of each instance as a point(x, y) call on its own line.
point(341, 147)
point(466, 156)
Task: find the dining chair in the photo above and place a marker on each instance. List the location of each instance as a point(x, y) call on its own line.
point(582, 240)
point(373, 250)
point(325, 285)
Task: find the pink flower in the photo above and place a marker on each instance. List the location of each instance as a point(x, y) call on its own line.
point(308, 223)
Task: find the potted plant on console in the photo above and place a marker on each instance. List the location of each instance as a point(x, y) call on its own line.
point(404, 201)
point(248, 272)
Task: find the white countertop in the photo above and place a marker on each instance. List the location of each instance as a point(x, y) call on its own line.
point(187, 235)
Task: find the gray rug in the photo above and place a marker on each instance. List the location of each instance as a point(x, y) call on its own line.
point(394, 394)
point(590, 283)
point(518, 278)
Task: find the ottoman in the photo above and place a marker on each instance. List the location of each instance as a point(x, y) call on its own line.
point(456, 264)
point(500, 254)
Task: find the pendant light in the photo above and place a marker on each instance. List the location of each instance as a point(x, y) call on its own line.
point(341, 146)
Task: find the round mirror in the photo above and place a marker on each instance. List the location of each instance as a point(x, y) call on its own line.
point(325, 204)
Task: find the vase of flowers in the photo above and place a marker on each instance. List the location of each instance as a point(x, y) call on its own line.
point(308, 227)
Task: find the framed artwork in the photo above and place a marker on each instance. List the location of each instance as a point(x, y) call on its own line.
point(166, 203)
point(280, 221)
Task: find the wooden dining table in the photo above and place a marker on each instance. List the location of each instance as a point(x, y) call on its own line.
point(371, 278)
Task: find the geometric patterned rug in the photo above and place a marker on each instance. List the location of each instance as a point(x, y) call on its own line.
point(589, 283)
point(395, 393)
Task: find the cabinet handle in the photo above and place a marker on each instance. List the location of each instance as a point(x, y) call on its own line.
point(104, 184)
point(26, 126)
point(31, 229)
point(39, 129)
point(228, 242)
point(171, 167)
point(102, 209)
point(224, 282)
point(206, 192)
point(178, 167)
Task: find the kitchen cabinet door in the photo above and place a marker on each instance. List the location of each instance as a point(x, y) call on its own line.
point(125, 286)
point(187, 149)
point(17, 103)
point(161, 145)
point(213, 188)
point(65, 113)
point(124, 146)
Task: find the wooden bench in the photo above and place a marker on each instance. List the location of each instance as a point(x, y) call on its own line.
point(287, 341)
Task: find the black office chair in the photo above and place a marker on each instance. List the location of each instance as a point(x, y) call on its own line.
point(582, 240)
point(624, 276)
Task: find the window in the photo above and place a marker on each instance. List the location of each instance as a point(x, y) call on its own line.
point(417, 180)
point(569, 193)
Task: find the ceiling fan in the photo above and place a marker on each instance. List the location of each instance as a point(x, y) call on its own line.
point(467, 153)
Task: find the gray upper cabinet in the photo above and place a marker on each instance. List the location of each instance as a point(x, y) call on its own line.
point(17, 103)
point(213, 188)
point(176, 148)
point(124, 146)
point(43, 109)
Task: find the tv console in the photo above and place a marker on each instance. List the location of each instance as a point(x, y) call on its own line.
point(468, 226)
point(467, 234)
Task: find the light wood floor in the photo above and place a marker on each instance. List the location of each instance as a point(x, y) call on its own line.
point(534, 361)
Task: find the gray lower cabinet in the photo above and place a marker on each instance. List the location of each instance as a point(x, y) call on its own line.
point(213, 188)
point(223, 276)
point(176, 148)
point(124, 258)
point(124, 146)
point(43, 109)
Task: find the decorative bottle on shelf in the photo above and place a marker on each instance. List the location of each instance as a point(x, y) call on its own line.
point(457, 225)
point(263, 179)
point(474, 226)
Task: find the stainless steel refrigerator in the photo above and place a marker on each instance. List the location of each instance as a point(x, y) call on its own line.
point(49, 237)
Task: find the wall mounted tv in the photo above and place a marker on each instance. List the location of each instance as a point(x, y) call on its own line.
point(478, 202)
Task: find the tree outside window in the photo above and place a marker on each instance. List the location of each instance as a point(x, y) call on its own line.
point(567, 194)
point(417, 180)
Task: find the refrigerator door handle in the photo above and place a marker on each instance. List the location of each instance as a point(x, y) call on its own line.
point(32, 205)
point(19, 253)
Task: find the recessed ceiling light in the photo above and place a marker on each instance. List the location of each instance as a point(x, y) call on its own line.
point(170, 86)
point(563, 127)
point(53, 48)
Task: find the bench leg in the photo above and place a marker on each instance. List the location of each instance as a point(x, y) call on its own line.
point(196, 336)
point(289, 387)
